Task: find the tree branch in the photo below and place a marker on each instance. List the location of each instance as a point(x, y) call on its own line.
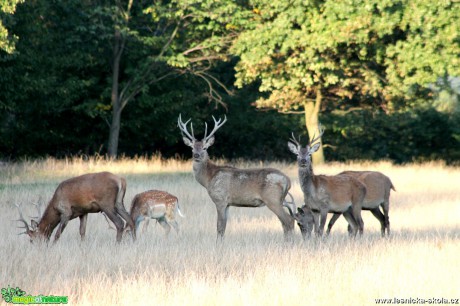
point(171, 38)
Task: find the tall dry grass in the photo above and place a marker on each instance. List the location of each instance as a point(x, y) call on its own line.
point(253, 266)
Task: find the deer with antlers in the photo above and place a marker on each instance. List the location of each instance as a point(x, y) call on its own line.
point(77, 197)
point(325, 194)
point(229, 186)
point(378, 188)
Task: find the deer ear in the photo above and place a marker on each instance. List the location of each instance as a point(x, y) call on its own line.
point(300, 211)
point(294, 149)
point(187, 142)
point(209, 142)
point(315, 147)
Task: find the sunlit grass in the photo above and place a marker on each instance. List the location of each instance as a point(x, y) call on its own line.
point(253, 266)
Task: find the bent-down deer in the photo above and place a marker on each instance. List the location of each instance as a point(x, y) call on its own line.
point(325, 194)
point(378, 188)
point(155, 204)
point(229, 186)
point(77, 197)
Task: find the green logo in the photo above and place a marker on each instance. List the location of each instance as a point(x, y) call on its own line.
point(18, 296)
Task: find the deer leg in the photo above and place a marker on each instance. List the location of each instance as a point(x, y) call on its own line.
point(286, 220)
point(120, 209)
point(62, 225)
point(137, 222)
point(386, 210)
point(175, 225)
point(316, 222)
point(83, 220)
point(378, 214)
point(351, 223)
point(146, 224)
point(359, 219)
point(119, 224)
point(331, 223)
point(322, 222)
point(165, 225)
point(221, 220)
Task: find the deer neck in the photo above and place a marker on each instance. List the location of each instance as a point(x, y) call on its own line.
point(307, 180)
point(48, 222)
point(203, 171)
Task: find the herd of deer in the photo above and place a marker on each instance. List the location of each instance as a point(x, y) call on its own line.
point(347, 193)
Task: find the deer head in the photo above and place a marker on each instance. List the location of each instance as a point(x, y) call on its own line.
point(32, 231)
point(304, 153)
point(199, 148)
point(304, 219)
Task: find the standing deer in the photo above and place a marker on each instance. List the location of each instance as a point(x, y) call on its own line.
point(326, 194)
point(378, 188)
point(77, 197)
point(155, 204)
point(229, 186)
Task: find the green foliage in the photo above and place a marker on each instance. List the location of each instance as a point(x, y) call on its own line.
point(367, 48)
point(430, 48)
point(55, 89)
point(417, 135)
point(7, 8)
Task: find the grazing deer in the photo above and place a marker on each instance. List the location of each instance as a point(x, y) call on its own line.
point(305, 220)
point(155, 204)
point(378, 188)
point(77, 197)
point(326, 194)
point(229, 186)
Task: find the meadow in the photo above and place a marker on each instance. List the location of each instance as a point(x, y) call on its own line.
point(253, 265)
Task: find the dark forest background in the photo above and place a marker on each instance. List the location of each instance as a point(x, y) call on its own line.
point(57, 87)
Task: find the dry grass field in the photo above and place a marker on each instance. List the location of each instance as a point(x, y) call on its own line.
point(253, 265)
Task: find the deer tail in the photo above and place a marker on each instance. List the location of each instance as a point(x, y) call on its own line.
point(178, 209)
point(290, 205)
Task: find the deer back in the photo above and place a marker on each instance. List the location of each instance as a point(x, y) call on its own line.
point(242, 186)
point(377, 185)
point(89, 192)
point(338, 191)
point(155, 204)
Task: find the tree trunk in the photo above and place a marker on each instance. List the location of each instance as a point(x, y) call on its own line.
point(114, 133)
point(311, 121)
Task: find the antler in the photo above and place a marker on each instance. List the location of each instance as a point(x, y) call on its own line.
point(217, 125)
point(183, 128)
point(294, 140)
point(21, 219)
point(38, 206)
point(321, 132)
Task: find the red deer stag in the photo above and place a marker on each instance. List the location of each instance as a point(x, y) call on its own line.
point(229, 186)
point(77, 197)
point(155, 204)
point(378, 188)
point(325, 194)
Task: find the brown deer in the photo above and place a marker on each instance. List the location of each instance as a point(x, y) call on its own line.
point(378, 188)
point(229, 186)
point(326, 194)
point(305, 220)
point(77, 197)
point(155, 204)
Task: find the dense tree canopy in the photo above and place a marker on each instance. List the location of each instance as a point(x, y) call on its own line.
point(308, 52)
point(377, 74)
